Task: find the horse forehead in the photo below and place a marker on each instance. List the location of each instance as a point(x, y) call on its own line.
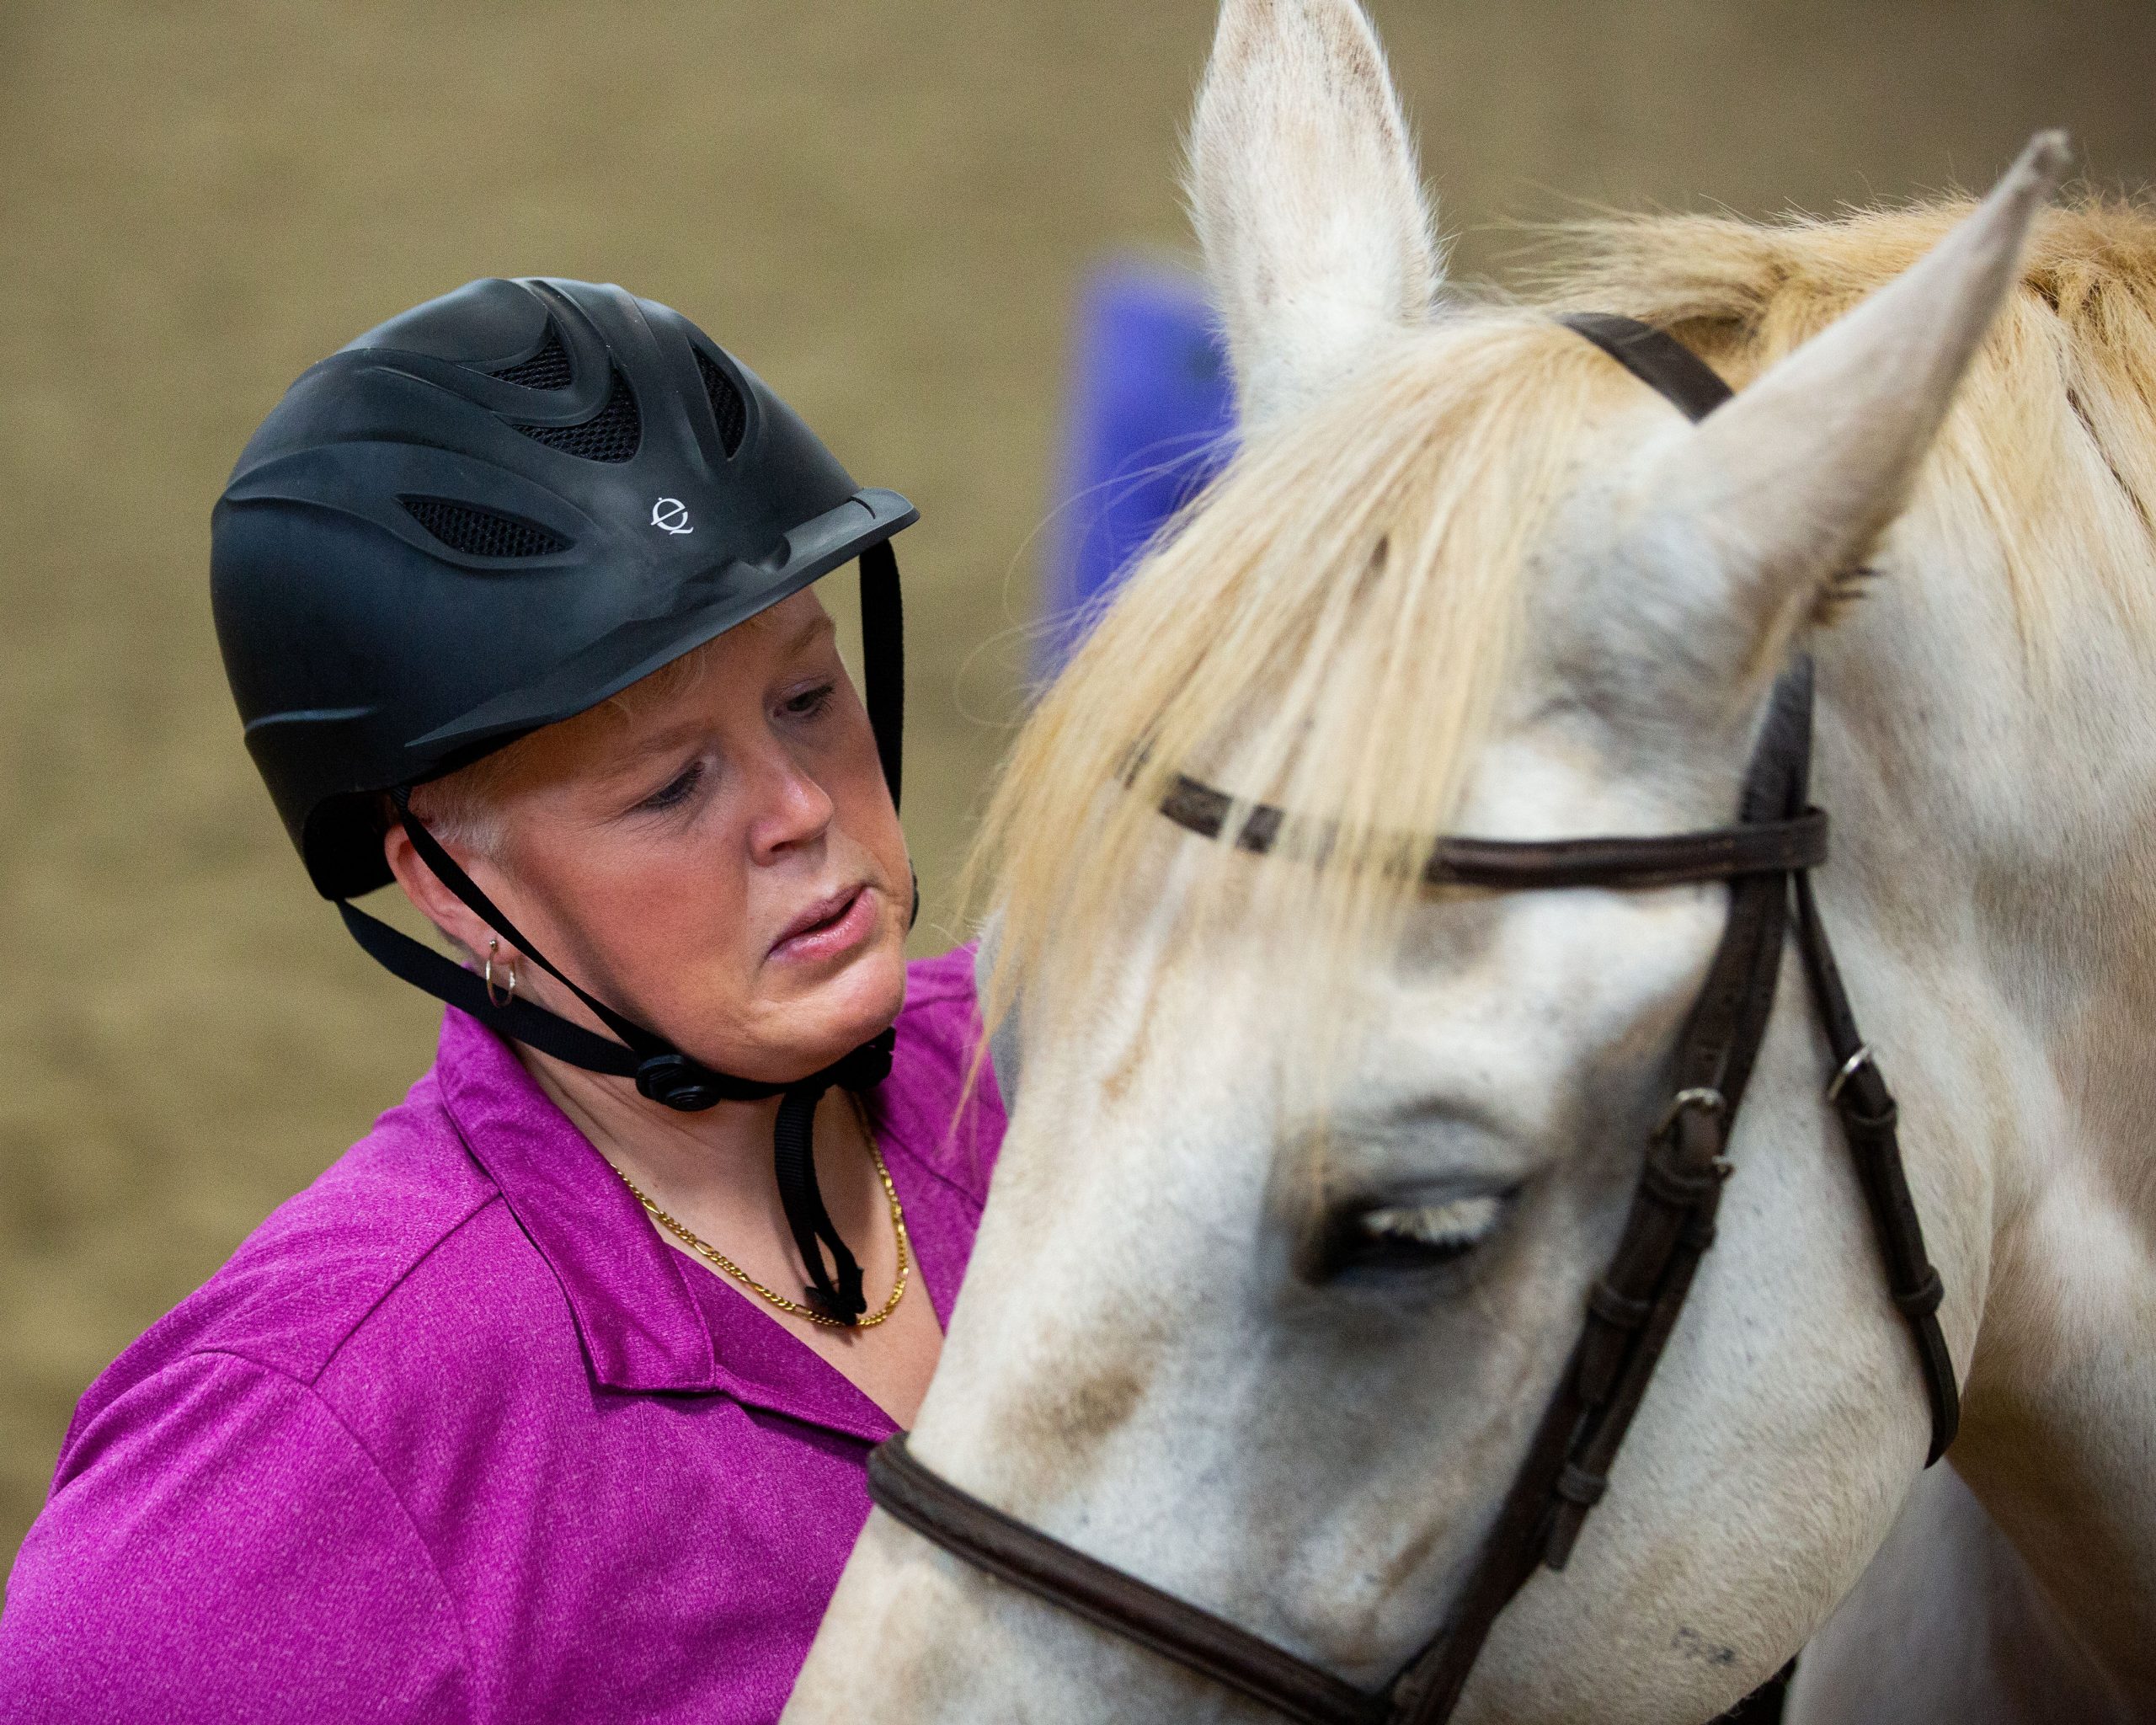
point(1611, 580)
point(1560, 769)
point(1481, 993)
point(1517, 982)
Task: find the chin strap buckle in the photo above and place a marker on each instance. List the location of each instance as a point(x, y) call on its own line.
point(676, 1082)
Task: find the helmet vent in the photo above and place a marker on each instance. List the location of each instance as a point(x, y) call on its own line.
point(611, 435)
point(727, 406)
point(547, 369)
point(482, 532)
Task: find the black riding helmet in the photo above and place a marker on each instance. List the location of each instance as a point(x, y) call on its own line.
point(490, 514)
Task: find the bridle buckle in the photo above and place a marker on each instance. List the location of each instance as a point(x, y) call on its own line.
point(1849, 1068)
point(1704, 1097)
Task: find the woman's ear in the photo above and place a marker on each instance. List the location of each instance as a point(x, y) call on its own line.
point(429, 896)
point(1304, 190)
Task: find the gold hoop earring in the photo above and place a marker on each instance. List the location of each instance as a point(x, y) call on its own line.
point(494, 948)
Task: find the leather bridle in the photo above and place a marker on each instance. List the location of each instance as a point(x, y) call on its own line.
point(1634, 1304)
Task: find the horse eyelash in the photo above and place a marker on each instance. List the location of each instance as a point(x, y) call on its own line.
point(1841, 592)
point(1457, 1222)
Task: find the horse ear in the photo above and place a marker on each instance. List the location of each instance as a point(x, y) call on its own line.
point(1789, 484)
point(1303, 191)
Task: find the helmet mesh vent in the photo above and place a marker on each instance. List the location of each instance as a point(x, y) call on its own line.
point(727, 406)
point(482, 532)
point(547, 369)
point(611, 435)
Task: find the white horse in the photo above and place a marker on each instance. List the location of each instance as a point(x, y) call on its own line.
point(1309, 1172)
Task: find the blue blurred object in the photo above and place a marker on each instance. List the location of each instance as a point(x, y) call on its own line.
point(1151, 420)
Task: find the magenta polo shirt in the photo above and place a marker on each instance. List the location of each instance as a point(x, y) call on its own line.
point(455, 1437)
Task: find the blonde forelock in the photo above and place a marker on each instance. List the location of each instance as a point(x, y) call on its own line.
point(1327, 630)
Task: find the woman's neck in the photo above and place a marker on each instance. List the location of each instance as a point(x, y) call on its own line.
point(713, 1173)
point(719, 1158)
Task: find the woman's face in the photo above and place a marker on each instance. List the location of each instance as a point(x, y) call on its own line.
point(714, 853)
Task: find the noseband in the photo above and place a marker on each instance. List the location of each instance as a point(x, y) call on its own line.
point(1634, 1304)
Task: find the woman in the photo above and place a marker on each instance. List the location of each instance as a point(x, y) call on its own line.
point(552, 1398)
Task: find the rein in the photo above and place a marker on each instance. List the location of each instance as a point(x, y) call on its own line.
point(1633, 1306)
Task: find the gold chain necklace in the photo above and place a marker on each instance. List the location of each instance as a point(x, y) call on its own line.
point(711, 1255)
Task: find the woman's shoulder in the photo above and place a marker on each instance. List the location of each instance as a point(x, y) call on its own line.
point(238, 1517)
point(321, 1263)
point(209, 1463)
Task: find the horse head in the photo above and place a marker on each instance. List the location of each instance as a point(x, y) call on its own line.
point(1313, 1166)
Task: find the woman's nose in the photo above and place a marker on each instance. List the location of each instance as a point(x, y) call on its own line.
point(792, 809)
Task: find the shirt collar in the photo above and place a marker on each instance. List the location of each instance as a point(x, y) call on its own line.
point(639, 1327)
point(648, 1318)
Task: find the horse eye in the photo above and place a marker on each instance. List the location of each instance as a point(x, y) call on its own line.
point(1374, 1237)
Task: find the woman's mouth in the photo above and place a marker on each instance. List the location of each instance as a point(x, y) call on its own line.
point(833, 926)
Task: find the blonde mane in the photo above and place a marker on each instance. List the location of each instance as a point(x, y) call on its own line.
point(1334, 619)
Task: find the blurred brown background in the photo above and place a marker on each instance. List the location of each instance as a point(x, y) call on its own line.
point(883, 204)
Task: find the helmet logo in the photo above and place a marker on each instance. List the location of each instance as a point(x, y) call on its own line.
point(670, 514)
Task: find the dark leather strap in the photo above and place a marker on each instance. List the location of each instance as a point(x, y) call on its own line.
point(451, 874)
point(1859, 1095)
point(1634, 1306)
point(1730, 853)
point(835, 1291)
point(1508, 865)
point(883, 660)
point(1869, 1116)
point(426, 968)
point(1197, 1640)
point(1658, 359)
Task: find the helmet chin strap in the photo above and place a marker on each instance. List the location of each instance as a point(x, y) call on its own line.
point(662, 1072)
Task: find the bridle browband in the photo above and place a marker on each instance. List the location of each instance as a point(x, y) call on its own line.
point(1633, 1306)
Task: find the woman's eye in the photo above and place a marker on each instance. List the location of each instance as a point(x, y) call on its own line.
point(1377, 1237)
point(676, 790)
point(810, 701)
